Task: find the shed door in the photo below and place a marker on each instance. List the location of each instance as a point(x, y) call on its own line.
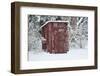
point(61, 38)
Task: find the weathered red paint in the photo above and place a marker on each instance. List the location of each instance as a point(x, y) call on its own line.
point(56, 36)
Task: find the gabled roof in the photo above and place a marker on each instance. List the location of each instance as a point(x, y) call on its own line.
point(52, 21)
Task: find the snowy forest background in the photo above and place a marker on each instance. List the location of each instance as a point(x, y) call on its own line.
point(77, 28)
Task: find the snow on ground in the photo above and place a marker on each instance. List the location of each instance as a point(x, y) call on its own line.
point(70, 55)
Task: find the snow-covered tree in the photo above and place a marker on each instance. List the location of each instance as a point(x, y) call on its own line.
point(34, 37)
point(78, 32)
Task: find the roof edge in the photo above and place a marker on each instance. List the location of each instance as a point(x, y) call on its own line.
point(53, 21)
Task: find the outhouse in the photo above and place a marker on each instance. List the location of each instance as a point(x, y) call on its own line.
point(55, 37)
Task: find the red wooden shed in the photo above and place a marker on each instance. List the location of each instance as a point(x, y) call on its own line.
point(55, 36)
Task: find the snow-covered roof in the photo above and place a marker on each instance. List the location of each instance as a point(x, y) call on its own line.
point(52, 21)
